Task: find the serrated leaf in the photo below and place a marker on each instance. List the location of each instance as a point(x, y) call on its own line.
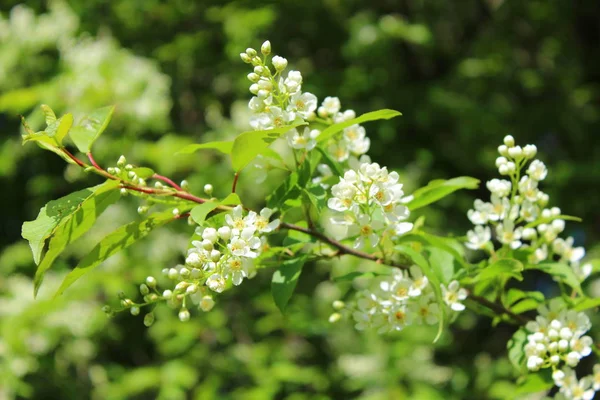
point(200, 212)
point(330, 131)
point(91, 127)
point(116, 241)
point(438, 189)
point(561, 272)
point(285, 279)
point(250, 144)
point(224, 147)
point(40, 229)
point(418, 259)
point(76, 224)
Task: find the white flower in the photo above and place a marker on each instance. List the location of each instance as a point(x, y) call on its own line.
point(528, 188)
point(499, 187)
point(306, 140)
point(293, 82)
point(397, 288)
point(330, 106)
point(236, 220)
point(529, 211)
point(581, 390)
point(425, 311)
point(534, 363)
point(419, 282)
point(537, 170)
point(582, 345)
point(262, 223)
point(245, 244)
point(236, 268)
point(303, 104)
point(339, 151)
point(367, 228)
point(399, 317)
point(481, 212)
point(206, 303)
point(565, 249)
point(507, 234)
point(216, 283)
point(479, 237)
point(453, 295)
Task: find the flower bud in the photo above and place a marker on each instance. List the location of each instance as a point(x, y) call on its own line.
point(142, 210)
point(121, 162)
point(252, 77)
point(530, 151)
point(224, 232)
point(184, 272)
point(173, 273)
point(151, 282)
point(266, 48)
point(185, 185)
point(509, 141)
point(207, 245)
point(503, 169)
point(259, 70)
point(195, 273)
point(500, 161)
point(176, 212)
point(563, 345)
point(503, 150)
point(245, 58)
point(254, 88)
point(338, 305)
point(251, 52)
point(279, 63)
point(144, 289)
point(124, 192)
point(256, 61)
point(208, 189)
point(128, 167)
point(167, 294)
point(191, 289)
point(511, 167)
point(184, 315)
point(515, 152)
point(335, 317)
point(135, 310)
point(210, 234)
point(149, 319)
point(107, 309)
point(215, 255)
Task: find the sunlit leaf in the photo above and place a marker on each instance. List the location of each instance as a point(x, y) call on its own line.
point(224, 147)
point(330, 131)
point(438, 189)
point(91, 127)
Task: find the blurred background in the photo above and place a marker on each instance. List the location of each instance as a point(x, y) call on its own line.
point(464, 74)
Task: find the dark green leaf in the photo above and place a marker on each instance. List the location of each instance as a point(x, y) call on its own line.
point(91, 127)
point(330, 131)
point(285, 279)
point(116, 241)
point(438, 189)
point(501, 269)
point(516, 352)
point(76, 224)
point(561, 272)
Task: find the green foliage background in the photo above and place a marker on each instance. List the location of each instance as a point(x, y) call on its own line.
point(464, 74)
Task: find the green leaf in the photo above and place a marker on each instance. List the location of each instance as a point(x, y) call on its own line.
point(353, 275)
point(287, 190)
point(418, 259)
point(143, 172)
point(91, 127)
point(250, 144)
point(501, 269)
point(561, 272)
point(48, 114)
point(40, 229)
point(330, 131)
point(334, 166)
point(442, 263)
point(446, 244)
point(550, 219)
point(64, 125)
point(200, 212)
point(285, 279)
point(535, 382)
point(516, 352)
point(224, 147)
point(76, 224)
point(47, 143)
point(519, 301)
point(438, 189)
point(231, 199)
point(587, 303)
point(116, 241)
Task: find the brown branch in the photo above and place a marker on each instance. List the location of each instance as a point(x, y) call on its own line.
point(72, 157)
point(94, 163)
point(342, 249)
point(235, 180)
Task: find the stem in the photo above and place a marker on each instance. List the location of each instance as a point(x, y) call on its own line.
point(94, 163)
point(168, 181)
point(72, 157)
point(498, 308)
point(235, 180)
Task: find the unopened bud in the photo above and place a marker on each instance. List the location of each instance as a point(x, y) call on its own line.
point(338, 304)
point(149, 319)
point(335, 317)
point(135, 310)
point(509, 140)
point(503, 150)
point(144, 289)
point(142, 210)
point(266, 48)
point(252, 77)
point(185, 185)
point(184, 315)
point(151, 282)
point(121, 162)
point(208, 189)
point(245, 58)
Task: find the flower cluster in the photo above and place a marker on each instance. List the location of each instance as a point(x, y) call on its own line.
point(368, 202)
point(353, 140)
point(557, 340)
point(402, 299)
point(279, 100)
point(517, 213)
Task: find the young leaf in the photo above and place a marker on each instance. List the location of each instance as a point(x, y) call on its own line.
point(76, 224)
point(200, 212)
point(47, 143)
point(501, 269)
point(252, 143)
point(516, 351)
point(535, 382)
point(334, 166)
point(91, 127)
point(224, 147)
point(49, 114)
point(116, 241)
point(231, 199)
point(40, 229)
point(64, 125)
point(561, 272)
point(285, 279)
point(418, 259)
point(330, 131)
point(438, 189)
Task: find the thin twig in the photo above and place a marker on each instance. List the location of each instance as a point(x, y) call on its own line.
point(168, 181)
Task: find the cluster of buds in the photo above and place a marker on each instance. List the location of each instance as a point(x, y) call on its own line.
point(517, 212)
point(368, 202)
point(397, 301)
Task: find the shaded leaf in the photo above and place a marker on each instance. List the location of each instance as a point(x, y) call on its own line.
point(91, 127)
point(516, 352)
point(561, 272)
point(501, 269)
point(285, 279)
